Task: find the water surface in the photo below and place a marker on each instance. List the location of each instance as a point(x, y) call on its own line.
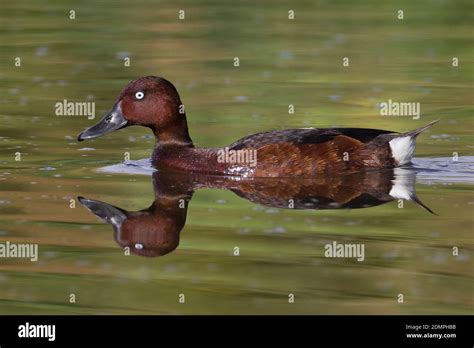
point(408, 250)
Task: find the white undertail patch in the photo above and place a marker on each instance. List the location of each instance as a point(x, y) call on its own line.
point(402, 185)
point(402, 149)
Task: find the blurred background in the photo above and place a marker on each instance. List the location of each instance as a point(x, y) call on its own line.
point(282, 62)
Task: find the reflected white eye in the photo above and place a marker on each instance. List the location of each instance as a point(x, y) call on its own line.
point(139, 246)
point(139, 95)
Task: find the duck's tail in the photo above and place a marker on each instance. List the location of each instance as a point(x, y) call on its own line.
point(403, 145)
point(403, 187)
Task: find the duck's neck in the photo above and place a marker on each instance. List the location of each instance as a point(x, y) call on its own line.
point(175, 133)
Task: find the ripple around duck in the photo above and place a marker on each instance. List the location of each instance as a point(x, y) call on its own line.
point(428, 169)
point(444, 170)
point(138, 167)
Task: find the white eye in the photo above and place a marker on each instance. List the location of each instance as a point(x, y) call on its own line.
point(139, 95)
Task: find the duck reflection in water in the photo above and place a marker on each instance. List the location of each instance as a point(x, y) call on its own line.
point(155, 231)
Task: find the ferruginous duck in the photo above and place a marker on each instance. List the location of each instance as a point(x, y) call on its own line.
point(154, 102)
point(155, 231)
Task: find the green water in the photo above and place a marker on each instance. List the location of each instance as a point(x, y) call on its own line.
point(282, 62)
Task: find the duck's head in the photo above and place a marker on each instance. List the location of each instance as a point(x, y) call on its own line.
point(149, 101)
point(149, 232)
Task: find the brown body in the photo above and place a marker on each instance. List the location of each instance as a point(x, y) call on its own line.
point(281, 154)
